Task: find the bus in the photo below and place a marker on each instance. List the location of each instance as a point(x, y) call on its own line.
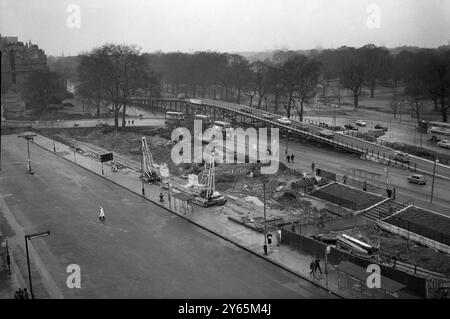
point(225, 127)
point(438, 131)
point(174, 118)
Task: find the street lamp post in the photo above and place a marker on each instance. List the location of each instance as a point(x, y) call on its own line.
point(28, 137)
point(27, 238)
point(53, 139)
point(29, 170)
point(432, 184)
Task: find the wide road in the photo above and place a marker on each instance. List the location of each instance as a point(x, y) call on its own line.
point(141, 251)
point(374, 173)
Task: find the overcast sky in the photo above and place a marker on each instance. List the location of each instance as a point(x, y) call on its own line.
point(226, 25)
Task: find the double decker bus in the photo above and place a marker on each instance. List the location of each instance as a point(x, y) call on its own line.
point(438, 131)
point(174, 118)
point(225, 127)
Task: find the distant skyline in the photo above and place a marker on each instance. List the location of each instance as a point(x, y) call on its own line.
point(225, 25)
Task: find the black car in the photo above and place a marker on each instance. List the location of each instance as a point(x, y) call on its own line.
point(381, 127)
point(350, 127)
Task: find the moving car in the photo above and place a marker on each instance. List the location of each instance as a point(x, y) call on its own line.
point(381, 127)
point(361, 123)
point(284, 120)
point(401, 157)
point(444, 144)
point(418, 179)
point(246, 110)
point(326, 133)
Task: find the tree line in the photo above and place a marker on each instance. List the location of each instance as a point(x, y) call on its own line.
point(290, 79)
point(286, 82)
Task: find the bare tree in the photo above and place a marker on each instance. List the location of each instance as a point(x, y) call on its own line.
point(352, 74)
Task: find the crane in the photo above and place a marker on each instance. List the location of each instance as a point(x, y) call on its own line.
point(207, 195)
point(150, 170)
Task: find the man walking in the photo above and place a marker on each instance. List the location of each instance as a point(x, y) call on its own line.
point(313, 166)
point(288, 158)
point(292, 158)
point(101, 215)
point(317, 264)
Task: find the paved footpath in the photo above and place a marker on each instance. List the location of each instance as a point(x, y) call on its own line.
point(284, 256)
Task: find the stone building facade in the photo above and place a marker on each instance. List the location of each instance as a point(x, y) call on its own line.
point(18, 61)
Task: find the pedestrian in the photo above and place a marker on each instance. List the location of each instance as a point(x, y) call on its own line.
point(344, 178)
point(17, 294)
point(292, 158)
point(312, 267)
point(20, 294)
point(389, 192)
point(394, 193)
point(288, 158)
point(313, 166)
point(140, 116)
point(25, 294)
point(317, 264)
point(365, 186)
point(101, 215)
point(132, 122)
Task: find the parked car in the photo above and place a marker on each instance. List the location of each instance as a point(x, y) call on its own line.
point(444, 144)
point(246, 110)
point(76, 124)
point(284, 120)
point(322, 124)
point(361, 123)
point(350, 127)
point(401, 157)
point(381, 127)
point(267, 116)
point(418, 179)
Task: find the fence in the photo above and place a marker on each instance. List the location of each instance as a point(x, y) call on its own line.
point(315, 248)
point(420, 230)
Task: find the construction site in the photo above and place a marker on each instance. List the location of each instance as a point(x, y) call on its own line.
point(309, 203)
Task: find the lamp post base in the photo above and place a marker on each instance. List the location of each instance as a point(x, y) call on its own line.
point(30, 171)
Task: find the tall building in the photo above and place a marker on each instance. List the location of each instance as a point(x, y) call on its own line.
point(19, 60)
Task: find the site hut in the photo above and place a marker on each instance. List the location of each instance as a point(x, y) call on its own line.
point(174, 119)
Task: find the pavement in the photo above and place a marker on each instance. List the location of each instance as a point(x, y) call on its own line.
point(171, 258)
